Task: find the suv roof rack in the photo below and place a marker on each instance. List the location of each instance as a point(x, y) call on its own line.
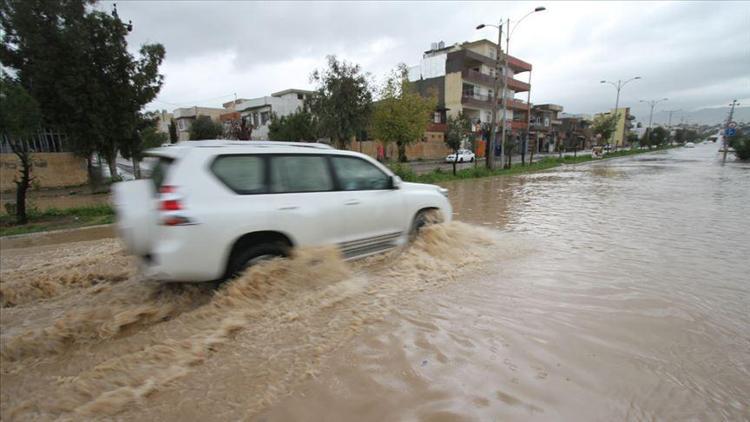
point(224, 143)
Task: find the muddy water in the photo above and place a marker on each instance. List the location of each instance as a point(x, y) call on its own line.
point(616, 290)
point(628, 298)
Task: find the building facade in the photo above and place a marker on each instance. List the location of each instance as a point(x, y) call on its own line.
point(622, 127)
point(258, 111)
point(545, 131)
point(575, 131)
point(462, 77)
point(184, 118)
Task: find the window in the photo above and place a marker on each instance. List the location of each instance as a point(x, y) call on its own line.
point(357, 174)
point(243, 174)
point(300, 96)
point(159, 171)
point(264, 117)
point(182, 124)
point(255, 119)
point(300, 173)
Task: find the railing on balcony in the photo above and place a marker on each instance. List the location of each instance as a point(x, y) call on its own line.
point(485, 101)
point(488, 80)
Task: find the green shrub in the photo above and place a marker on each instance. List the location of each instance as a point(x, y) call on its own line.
point(404, 171)
point(742, 147)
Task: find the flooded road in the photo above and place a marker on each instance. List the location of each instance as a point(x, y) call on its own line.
point(607, 291)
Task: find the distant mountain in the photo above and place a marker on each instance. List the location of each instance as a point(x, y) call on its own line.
point(708, 116)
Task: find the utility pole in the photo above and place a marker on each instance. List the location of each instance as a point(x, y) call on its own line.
point(502, 100)
point(652, 103)
point(618, 86)
point(493, 132)
point(726, 129)
point(669, 123)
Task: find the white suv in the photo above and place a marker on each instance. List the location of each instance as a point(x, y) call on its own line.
point(212, 208)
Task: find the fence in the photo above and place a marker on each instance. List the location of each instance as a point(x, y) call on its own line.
point(42, 141)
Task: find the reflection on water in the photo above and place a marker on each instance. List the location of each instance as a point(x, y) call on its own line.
point(628, 299)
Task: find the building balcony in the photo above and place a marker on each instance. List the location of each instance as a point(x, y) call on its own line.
point(485, 102)
point(518, 124)
point(471, 75)
point(518, 65)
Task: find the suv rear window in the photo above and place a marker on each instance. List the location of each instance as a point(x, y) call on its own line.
point(244, 174)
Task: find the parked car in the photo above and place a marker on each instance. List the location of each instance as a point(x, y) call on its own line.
point(213, 208)
point(689, 145)
point(464, 155)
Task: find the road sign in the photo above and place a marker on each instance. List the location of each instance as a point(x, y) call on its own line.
point(732, 125)
point(730, 131)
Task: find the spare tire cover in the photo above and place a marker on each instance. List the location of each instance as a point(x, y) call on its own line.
point(137, 217)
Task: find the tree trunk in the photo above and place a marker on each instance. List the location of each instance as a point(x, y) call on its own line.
point(22, 186)
point(531, 157)
point(401, 152)
point(136, 168)
point(455, 161)
point(112, 163)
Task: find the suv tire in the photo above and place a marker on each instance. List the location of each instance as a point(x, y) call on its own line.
point(252, 255)
point(422, 219)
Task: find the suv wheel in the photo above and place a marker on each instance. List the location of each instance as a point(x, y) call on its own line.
point(254, 254)
point(422, 219)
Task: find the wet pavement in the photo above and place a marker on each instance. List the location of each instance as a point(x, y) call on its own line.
point(605, 291)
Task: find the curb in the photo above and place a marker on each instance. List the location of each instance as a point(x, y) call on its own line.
point(55, 237)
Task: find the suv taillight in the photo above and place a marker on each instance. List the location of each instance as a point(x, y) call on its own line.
point(170, 205)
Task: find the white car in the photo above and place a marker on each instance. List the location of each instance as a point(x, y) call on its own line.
point(213, 208)
point(464, 155)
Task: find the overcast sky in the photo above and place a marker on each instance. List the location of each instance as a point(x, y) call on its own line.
point(695, 53)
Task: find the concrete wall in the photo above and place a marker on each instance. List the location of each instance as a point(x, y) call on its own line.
point(432, 148)
point(453, 88)
point(49, 170)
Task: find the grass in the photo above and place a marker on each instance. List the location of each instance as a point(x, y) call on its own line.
point(438, 175)
point(56, 219)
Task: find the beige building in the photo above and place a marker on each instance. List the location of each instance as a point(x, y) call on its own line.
point(462, 76)
point(184, 118)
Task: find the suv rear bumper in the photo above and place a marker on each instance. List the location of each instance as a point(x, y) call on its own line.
point(183, 255)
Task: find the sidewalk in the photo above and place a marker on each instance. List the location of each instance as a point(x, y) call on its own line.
point(422, 167)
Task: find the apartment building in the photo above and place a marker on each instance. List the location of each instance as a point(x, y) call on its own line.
point(576, 131)
point(184, 118)
point(462, 76)
point(258, 111)
point(545, 131)
point(622, 127)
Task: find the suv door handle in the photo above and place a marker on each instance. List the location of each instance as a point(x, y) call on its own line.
point(351, 202)
point(288, 208)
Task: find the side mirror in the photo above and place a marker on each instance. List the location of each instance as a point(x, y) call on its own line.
point(396, 182)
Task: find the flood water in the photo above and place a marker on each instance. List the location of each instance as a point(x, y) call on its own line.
point(606, 291)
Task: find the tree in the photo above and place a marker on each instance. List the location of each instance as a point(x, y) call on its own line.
point(459, 128)
point(659, 136)
point(205, 128)
point(296, 127)
point(239, 129)
point(74, 61)
point(604, 125)
point(172, 132)
point(144, 136)
point(19, 118)
point(741, 145)
point(342, 103)
point(401, 115)
point(632, 138)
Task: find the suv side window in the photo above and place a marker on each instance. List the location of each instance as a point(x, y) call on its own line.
point(357, 174)
point(244, 174)
point(300, 173)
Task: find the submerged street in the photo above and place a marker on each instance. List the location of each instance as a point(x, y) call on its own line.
point(603, 291)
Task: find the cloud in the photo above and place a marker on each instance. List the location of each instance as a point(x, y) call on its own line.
point(695, 53)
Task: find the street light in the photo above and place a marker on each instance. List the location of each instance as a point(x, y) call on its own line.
point(652, 103)
point(500, 68)
point(669, 122)
point(618, 86)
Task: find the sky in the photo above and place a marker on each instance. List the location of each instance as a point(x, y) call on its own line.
point(696, 54)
